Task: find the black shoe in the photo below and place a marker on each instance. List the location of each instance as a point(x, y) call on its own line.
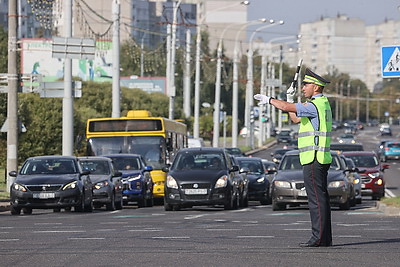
point(310, 244)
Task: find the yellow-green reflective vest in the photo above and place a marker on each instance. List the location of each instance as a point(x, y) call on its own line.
point(316, 142)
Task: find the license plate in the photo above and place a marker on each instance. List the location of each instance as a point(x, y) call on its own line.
point(44, 195)
point(201, 191)
point(303, 193)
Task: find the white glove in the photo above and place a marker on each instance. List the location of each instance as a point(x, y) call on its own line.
point(290, 94)
point(262, 98)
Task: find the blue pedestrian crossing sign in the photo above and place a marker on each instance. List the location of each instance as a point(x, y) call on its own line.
point(390, 61)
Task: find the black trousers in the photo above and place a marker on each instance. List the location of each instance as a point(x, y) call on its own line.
point(315, 181)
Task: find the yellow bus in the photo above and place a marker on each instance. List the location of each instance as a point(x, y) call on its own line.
point(157, 139)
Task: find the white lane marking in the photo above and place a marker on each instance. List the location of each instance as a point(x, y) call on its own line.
point(348, 236)
point(145, 230)
point(287, 229)
point(223, 229)
point(47, 223)
point(352, 224)
point(171, 237)
point(190, 217)
point(9, 240)
point(106, 230)
point(389, 193)
point(255, 236)
point(64, 231)
point(114, 223)
point(86, 238)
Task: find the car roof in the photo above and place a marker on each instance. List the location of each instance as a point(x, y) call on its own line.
point(53, 157)
point(122, 155)
point(205, 149)
point(296, 152)
point(249, 158)
point(94, 158)
point(345, 153)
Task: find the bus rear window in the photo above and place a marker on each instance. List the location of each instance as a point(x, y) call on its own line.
point(125, 125)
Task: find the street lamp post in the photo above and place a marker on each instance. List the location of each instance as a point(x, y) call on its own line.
point(196, 126)
point(218, 87)
point(249, 84)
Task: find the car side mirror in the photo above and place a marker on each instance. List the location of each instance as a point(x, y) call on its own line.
point(165, 168)
point(234, 168)
point(271, 171)
point(85, 172)
point(244, 170)
point(385, 166)
point(361, 170)
point(13, 173)
point(117, 174)
point(148, 168)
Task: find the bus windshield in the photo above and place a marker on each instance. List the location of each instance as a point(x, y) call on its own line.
point(152, 148)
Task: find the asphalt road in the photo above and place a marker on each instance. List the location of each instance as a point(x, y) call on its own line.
point(255, 236)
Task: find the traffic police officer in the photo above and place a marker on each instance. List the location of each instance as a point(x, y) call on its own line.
point(315, 118)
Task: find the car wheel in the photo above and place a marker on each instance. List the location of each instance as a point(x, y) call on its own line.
point(345, 206)
point(244, 202)
point(111, 205)
point(56, 210)
point(27, 211)
point(278, 206)
point(176, 207)
point(15, 211)
point(150, 202)
point(81, 206)
point(229, 204)
point(236, 201)
point(359, 201)
point(167, 207)
point(119, 204)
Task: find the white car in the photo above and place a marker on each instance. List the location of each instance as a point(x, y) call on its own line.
point(195, 142)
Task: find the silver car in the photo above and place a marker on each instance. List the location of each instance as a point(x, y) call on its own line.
point(288, 184)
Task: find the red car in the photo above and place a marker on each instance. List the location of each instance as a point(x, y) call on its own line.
point(371, 172)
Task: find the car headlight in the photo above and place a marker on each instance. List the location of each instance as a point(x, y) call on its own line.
point(282, 184)
point(374, 174)
point(101, 184)
point(171, 182)
point(379, 182)
point(221, 182)
point(133, 178)
point(261, 180)
point(336, 184)
point(71, 185)
point(19, 187)
point(356, 181)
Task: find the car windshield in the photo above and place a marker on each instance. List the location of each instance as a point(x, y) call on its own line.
point(368, 161)
point(199, 160)
point(100, 167)
point(49, 166)
point(255, 167)
point(292, 162)
point(127, 163)
point(393, 145)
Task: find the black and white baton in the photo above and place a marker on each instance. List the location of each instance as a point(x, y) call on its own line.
point(296, 75)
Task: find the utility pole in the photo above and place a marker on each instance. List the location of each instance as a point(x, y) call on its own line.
point(186, 79)
point(172, 89)
point(116, 92)
point(12, 101)
point(68, 104)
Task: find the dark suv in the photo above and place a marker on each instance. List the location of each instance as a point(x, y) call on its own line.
point(371, 172)
point(201, 177)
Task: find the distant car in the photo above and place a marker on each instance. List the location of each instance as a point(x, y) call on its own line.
point(288, 185)
point(356, 179)
point(243, 183)
point(107, 184)
point(201, 177)
point(346, 147)
point(259, 185)
point(51, 182)
point(244, 131)
point(136, 179)
point(278, 153)
point(389, 150)
point(346, 139)
point(371, 172)
point(235, 151)
point(196, 142)
point(284, 136)
point(385, 129)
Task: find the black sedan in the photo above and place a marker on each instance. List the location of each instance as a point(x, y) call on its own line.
point(136, 179)
point(55, 182)
point(259, 185)
point(288, 184)
point(107, 185)
point(201, 177)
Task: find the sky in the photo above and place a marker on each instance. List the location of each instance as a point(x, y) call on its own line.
point(294, 12)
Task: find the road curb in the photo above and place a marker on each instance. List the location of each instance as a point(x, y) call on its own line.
point(388, 210)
